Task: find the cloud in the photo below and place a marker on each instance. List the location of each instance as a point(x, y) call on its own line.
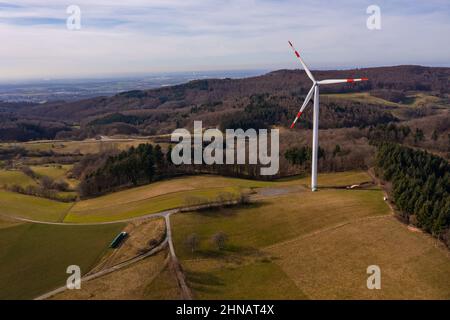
point(179, 35)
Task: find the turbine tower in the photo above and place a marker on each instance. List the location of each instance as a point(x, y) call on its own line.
point(315, 90)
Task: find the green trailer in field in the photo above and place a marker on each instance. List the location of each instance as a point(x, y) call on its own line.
point(118, 240)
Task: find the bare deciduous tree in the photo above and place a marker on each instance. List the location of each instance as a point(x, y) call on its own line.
point(192, 242)
point(220, 239)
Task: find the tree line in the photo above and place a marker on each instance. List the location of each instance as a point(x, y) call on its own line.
point(420, 186)
point(138, 165)
point(302, 155)
point(144, 164)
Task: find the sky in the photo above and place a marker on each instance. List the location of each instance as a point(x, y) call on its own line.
point(146, 36)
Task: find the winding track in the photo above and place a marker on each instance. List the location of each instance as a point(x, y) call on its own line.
point(168, 241)
point(186, 293)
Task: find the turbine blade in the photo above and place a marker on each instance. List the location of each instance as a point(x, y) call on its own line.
point(305, 103)
point(332, 81)
point(303, 63)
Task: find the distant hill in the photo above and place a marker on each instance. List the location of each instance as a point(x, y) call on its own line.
point(213, 100)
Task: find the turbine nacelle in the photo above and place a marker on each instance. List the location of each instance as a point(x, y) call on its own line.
point(316, 83)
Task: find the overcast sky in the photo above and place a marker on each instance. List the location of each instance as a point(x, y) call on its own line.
point(140, 36)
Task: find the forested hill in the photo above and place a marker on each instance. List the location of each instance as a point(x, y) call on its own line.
point(279, 82)
point(271, 99)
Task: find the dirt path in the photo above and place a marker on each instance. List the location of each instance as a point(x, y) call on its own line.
point(378, 183)
point(119, 266)
point(174, 263)
point(161, 214)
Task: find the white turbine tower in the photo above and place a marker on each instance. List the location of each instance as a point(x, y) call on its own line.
point(315, 89)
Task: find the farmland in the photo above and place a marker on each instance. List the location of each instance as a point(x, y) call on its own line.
point(144, 279)
point(279, 241)
point(35, 256)
point(30, 207)
point(281, 246)
point(177, 192)
point(83, 147)
point(147, 279)
point(332, 265)
point(278, 245)
point(56, 172)
point(156, 197)
point(15, 177)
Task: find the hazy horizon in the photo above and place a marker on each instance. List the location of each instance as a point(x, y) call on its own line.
point(154, 36)
point(195, 73)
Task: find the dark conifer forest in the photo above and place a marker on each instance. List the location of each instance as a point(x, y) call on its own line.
point(420, 186)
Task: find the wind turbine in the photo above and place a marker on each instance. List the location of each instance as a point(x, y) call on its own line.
point(315, 90)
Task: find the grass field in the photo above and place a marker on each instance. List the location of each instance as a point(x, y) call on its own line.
point(35, 256)
point(30, 207)
point(258, 280)
point(332, 265)
point(414, 100)
point(83, 147)
point(174, 193)
point(275, 220)
point(163, 287)
point(11, 177)
point(156, 197)
point(338, 179)
point(53, 171)
point(364, 97)
point(287, 247)
point(147, 279)
point(421, 99)
point(147, 199)
point(57, 172)
point(8, 223)
point(143, 235)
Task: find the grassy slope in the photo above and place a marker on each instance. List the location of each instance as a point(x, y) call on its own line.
point(147, 279)
point(278, 219)
point(346, 178)
point(52, 171)
point(173, 193)
point(155, 197)
point(364, 97)
point(35, 208)
point(10, 177)
point(58, 173)
point(35, 257)
point(277, 248)
point(4, 223)
point(84, 147)
point(416, 100)
point(259, 280)
point(332, 265)
point(163, 287)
